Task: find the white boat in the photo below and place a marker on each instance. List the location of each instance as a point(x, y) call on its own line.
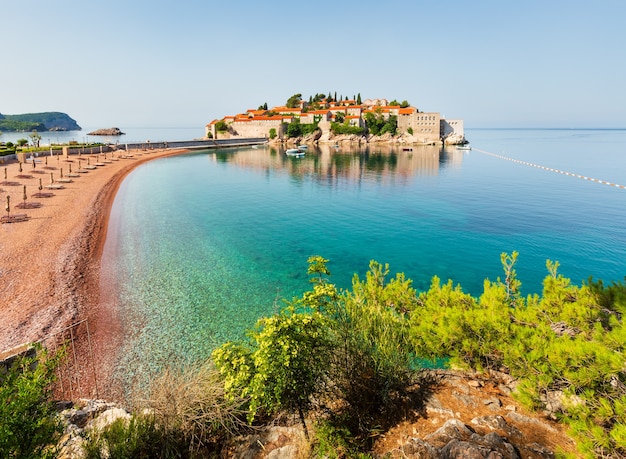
point(464, 147)
point(303, 147)
point(294, 152)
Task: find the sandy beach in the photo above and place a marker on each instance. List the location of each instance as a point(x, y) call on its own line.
point(50, 263)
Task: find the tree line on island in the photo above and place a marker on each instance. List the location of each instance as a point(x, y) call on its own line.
point(356, 358)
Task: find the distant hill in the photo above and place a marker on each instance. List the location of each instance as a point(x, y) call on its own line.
point(46, 121)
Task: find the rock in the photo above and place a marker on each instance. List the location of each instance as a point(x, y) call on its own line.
point(453, 429)
point(496, 423)
point(561, 328)
point(109, 417)
point(492, 402)
point(285, 452)
point(110, 131)
point(536, 423)
point(94, 414)
point(416, 448)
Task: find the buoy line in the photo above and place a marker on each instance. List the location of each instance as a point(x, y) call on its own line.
point(550, 169)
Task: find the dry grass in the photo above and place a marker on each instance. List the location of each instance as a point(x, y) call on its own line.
point(192, 402)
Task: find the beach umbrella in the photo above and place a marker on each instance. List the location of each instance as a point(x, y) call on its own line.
point(33, 163)
point(46, 160)
point(52, 178)
point(79, 164)
point(61, 172)
point(70, 168)
point(20, 167)
point(88, 161)
point(40, 185)
point(8, 207)
point(25, 197)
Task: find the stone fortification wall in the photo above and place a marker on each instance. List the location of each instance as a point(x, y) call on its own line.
point(426, 126)
point(261, 128)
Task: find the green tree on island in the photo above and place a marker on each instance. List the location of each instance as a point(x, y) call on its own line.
point(294, 101)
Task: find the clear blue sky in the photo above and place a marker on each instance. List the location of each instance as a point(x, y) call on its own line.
point(140, 63)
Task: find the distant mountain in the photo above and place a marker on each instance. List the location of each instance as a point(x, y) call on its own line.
point(46, 121)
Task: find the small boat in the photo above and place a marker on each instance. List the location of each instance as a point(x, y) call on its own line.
point(464, 147)
point(294, 152)
point(303, 147)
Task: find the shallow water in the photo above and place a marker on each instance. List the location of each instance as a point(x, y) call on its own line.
point(201, 245)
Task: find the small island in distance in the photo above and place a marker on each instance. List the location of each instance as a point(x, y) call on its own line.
point(40, 122)
point(107, 132)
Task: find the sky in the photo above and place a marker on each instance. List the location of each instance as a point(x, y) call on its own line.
point(156, 63)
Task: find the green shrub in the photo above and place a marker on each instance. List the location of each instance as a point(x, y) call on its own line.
point(346, 129)
point(29, 427)
point(335, 442)
point(569, 340)
point(137, 438)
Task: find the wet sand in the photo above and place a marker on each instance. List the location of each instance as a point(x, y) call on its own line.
point(50, 263)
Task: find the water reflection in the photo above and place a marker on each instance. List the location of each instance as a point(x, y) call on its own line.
point(347, 162)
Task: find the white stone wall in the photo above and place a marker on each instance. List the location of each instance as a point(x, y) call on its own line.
point(452, 131)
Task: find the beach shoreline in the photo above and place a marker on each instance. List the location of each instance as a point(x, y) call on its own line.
point(50, 264)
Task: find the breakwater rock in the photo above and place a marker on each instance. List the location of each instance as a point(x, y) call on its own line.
point(109, 131)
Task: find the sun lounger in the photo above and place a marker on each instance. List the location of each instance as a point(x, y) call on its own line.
point(14, 218)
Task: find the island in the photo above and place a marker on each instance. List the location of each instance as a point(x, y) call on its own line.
point(328, 119)
point(40, 122)
point(109, 131)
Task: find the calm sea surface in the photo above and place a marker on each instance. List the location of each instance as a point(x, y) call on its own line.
point(201, 245)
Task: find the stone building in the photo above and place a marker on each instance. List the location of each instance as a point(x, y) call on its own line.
point(424, 127)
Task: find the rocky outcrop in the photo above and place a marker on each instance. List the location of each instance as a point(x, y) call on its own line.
point(110, 131)
point(82, 417)
point(467, 416)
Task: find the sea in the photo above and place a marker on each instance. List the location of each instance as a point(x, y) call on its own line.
point(203, 244)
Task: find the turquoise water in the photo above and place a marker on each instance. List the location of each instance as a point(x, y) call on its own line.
point(201, 245)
